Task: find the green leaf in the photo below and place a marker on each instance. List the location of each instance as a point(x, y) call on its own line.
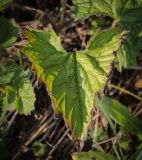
point(127, 14)
point(86, 8)
point(39, 149)
point(4, 4)
point(112, 8)
point(8, 72)
point(127, 55)
point(99, 134)
point(134, 16)
point(140, 34)
point(8, 32)
point(124, 142)
point(92, 154)
point(73, 78)
point(119, 113)
point(129, 51)
point(19, 96)
point(9, 99)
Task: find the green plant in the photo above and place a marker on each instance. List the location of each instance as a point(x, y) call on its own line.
point(16, 91)
point(74, 80)
point(92, 154)
point(127, 15)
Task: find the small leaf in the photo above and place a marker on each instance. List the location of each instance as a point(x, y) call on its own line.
point(20, 97)
point(92, 154)
point(124, 142)
point(73, 78)
point(99, 134)
point(119, 113)
point(140, 34)
point(39, 149)
point(127, 54)
point(8, 32)
point(9, 99)
point(4, 4)
point(8, 71)
point(26, 97)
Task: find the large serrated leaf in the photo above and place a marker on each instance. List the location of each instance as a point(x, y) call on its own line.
point(119, 113)
point(112, 8)
point(73, 78)
point(91, 155)
point(8, 32)
point(126, 13)
point(85, 8)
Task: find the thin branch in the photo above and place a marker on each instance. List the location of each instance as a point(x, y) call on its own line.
point(10, 123)
point(125, 91)
point(59, 141)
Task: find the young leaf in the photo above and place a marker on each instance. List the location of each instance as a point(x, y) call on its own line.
point(8, 32)
point(8, 72)
point(127, 14)
point(119, 113)
point(73, 78)
point(39, 149)
point(92, 154)
point(20, 97)
point(4, 4)
point(100, 134)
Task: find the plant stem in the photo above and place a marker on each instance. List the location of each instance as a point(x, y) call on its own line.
point(125, 91)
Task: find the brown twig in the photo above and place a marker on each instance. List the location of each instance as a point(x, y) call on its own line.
point(59, 141)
